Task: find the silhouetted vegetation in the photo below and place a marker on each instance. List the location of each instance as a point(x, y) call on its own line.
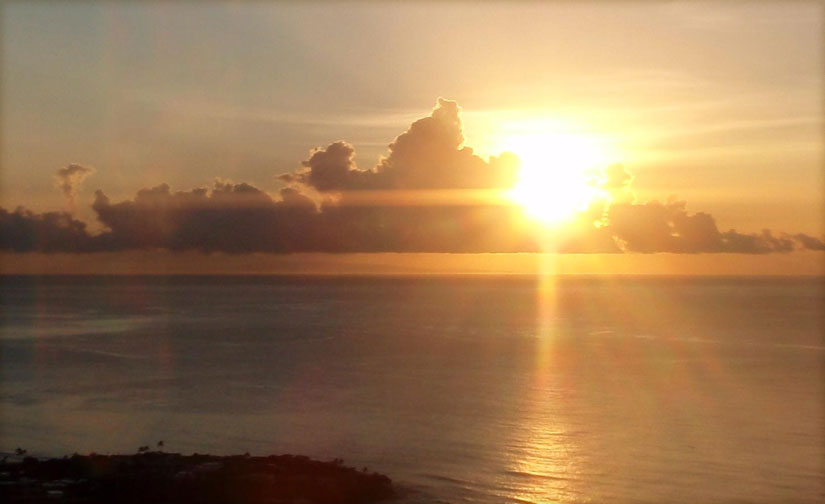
point(173, 478)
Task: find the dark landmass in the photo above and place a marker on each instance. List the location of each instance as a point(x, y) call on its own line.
point(157, 477)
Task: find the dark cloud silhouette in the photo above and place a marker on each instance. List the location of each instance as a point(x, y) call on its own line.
point(428, 158)
point(25, 231)
point(763, 243)
point(809, 242)
point(426, 228)
point(657, 227)
point(333, 169)
point(429, 155)
point(229, 217)
point(68, 180)
point(239, 218)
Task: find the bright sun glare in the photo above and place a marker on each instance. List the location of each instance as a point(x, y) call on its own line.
point(556, 172)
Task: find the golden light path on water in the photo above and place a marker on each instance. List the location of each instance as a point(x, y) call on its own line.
point(557, 180)
point(653, 383)
point(543, 462)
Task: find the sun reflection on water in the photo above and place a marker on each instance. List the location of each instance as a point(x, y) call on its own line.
point(542, 454)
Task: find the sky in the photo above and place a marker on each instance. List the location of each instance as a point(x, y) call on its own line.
point(719, 107)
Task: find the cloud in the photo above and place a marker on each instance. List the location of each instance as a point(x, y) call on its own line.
point(333, 169)
point(429, 155)
point(809, 242)
point(668, 227)
point(25, 231)
point(616, 177)
point(228, 217)
point(426, 228)
point(427, 158)
point(237, 218)
point(69, 179)
point(616, 183)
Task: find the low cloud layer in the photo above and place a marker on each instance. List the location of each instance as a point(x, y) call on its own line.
point(25, 231)
point(657, 227)
point(430, 156)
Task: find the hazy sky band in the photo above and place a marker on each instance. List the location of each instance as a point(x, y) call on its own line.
point(719, 105)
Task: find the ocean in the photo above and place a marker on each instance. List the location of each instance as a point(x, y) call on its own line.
point(485, 389)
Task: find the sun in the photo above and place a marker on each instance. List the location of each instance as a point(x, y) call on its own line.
point(557, 173)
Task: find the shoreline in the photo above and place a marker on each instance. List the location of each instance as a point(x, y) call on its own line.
point(161, 477)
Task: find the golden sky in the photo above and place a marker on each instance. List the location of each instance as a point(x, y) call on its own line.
point(716, 105)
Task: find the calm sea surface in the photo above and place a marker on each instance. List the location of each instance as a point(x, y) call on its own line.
point(462, 389)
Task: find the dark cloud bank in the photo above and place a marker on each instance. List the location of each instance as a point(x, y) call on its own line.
point(430, 155)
